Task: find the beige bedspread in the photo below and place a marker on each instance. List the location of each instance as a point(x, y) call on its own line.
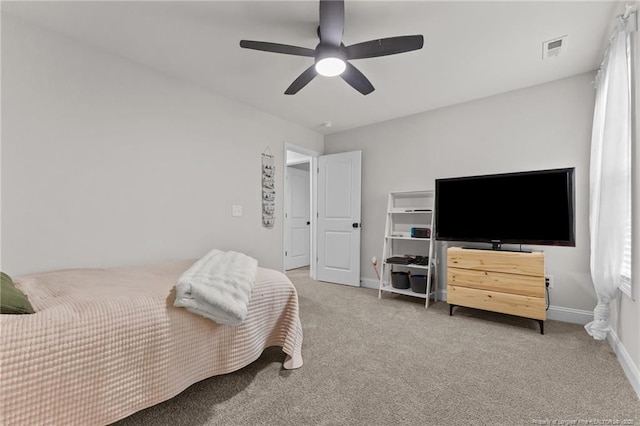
point(105, 343)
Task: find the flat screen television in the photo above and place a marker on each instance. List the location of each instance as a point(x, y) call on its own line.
point(532, 207)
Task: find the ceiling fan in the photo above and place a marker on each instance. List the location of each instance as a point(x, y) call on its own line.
point(331, 56)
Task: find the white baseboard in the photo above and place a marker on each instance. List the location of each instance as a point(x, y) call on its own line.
point(630, 369)
point(574, 316)
point(369, 283)
point(558, 313)
point(441, 295)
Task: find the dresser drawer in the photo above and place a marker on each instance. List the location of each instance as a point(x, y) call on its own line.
point(497, 261)
point(531, 307)
point(526, 285)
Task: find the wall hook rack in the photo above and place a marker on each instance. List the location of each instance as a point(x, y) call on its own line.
point(268, 189)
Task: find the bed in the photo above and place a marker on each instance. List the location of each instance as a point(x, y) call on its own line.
point(105, 343)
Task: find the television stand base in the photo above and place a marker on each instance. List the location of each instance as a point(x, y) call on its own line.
point(499, 281)
point(541, 322)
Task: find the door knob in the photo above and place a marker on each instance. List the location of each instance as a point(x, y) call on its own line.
point(355, 225)
point(308, 223)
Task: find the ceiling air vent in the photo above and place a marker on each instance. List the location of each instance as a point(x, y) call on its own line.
point(553, 48)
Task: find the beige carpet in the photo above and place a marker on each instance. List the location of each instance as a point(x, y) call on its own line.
point(391, 362)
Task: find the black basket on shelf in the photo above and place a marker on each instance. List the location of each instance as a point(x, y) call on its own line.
point(418, 283)
point(400, 280)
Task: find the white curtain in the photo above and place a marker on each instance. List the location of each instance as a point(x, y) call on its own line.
point(610, 175)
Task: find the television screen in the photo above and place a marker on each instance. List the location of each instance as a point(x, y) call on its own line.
point(534, 207)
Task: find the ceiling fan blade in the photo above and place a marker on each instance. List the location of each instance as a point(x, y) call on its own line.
point(357, 80)
point(384, 47)
point(277, 48)
point(302, 80)
point(331, 22)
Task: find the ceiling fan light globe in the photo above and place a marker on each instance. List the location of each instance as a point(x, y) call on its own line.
point(330, 67)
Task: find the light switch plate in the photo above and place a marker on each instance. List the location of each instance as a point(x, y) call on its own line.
point(236, 210)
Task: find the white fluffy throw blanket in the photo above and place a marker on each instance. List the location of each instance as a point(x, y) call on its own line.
point(218, 286)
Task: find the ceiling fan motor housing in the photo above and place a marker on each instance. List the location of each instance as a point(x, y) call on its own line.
point(326, 51)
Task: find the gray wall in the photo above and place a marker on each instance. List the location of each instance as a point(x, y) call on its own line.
point(542, 127)
point(106, 163)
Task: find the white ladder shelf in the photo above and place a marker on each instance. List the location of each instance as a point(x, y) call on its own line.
point(407, 210)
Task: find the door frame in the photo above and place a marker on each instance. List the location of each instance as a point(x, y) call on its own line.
point(313, 211)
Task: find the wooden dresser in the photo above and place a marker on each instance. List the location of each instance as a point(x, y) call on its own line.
point(499, 281)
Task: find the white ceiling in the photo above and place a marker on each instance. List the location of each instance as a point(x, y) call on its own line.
point(472, 49)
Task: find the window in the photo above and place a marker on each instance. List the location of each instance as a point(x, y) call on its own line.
point(625, 283)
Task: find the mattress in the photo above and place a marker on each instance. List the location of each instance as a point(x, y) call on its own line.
point(105, 343)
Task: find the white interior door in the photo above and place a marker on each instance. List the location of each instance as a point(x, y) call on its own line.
point(339, 182)
point(297, 218)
